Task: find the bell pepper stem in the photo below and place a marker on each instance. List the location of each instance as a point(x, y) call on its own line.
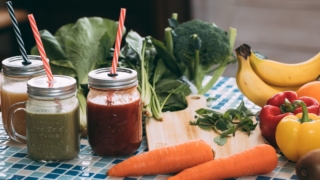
point(287, 106)
point(305, 117)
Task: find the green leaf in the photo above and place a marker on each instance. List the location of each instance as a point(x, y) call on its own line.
point(229, 131)
point(244, 109)
point(220, 140)
point(173, 23)
point(205, 122)
point(51, 45)
point(203, 111)
point(163, 86)
point(171, 103)
point(205, 127)
point(234, 113)
point(63, 67)
point(167, 58)
point(221, 125)
point(246, 124)
point(135, 42)
point(180, 89)
point(166, 85)
point(159, 71)
point(212, 120)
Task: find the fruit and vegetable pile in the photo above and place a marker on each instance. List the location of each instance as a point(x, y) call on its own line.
point(289, 97)
point(169, 70)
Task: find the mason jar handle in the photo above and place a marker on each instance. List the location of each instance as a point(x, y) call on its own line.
point(19, 106)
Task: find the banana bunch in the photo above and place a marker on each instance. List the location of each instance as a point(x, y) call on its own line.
point(254, 86)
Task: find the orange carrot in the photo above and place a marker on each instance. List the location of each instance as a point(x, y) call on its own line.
point(170, 159)
point(260, 159)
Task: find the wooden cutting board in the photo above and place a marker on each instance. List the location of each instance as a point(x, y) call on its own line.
point(175, 129)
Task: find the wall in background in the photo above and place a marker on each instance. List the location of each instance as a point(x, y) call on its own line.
point(143, 16)
point(286, 30)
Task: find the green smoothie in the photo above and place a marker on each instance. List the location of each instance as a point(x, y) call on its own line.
point(53, 137)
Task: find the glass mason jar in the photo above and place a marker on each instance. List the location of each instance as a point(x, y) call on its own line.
point(114, 112)
point(52, 119)
point(14, 89)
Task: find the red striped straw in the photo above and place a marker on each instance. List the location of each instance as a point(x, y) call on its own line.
point(40, 47)
point(118, 42)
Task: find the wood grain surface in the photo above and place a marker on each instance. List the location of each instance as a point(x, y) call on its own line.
point(175, 129)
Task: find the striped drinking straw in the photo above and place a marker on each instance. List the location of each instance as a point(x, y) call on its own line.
point(17, 33)
point(118, 43)
point(40, 47)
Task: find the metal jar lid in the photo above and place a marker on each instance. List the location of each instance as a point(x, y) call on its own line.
point(13, 66)
point(100, 78)
point(62, 87)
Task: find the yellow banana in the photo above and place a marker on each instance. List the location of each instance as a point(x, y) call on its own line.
point(285, 74)
point(283, 88)
point(250, 84)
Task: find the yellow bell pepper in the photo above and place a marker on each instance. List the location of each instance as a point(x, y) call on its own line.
point(298, 134)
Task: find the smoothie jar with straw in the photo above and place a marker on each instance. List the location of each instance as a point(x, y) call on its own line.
point(114, 112)
point(52, 118)
point(14, 89)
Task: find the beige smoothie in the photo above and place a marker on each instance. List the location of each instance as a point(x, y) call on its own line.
point(9, 98)
point(15, 74)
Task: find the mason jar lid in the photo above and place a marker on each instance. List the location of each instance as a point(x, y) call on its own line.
point(62, 87)
point(100, 78)
point(13, 66)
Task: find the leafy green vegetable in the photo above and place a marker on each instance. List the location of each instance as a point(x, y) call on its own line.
point(159, 86)
point(76, 49)
point(227, 123)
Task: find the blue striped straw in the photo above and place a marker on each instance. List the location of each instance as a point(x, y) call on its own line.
point(18, 34)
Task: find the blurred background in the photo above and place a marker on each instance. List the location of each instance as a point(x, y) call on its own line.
point(285, 30)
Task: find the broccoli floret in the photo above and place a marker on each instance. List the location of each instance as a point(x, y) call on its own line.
point(201, 47)
point(214, 43)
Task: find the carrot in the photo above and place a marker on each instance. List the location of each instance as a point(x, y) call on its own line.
point(260, 159)
point(171, 159)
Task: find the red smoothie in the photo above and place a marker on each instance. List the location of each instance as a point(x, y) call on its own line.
point(114, 130)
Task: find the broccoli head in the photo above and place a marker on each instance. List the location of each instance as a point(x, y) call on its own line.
point(201, 48)
point(215, 47)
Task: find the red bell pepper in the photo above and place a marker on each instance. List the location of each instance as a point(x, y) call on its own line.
point(279, 106)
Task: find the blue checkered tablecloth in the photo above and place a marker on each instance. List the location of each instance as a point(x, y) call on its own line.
point(15, 163)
